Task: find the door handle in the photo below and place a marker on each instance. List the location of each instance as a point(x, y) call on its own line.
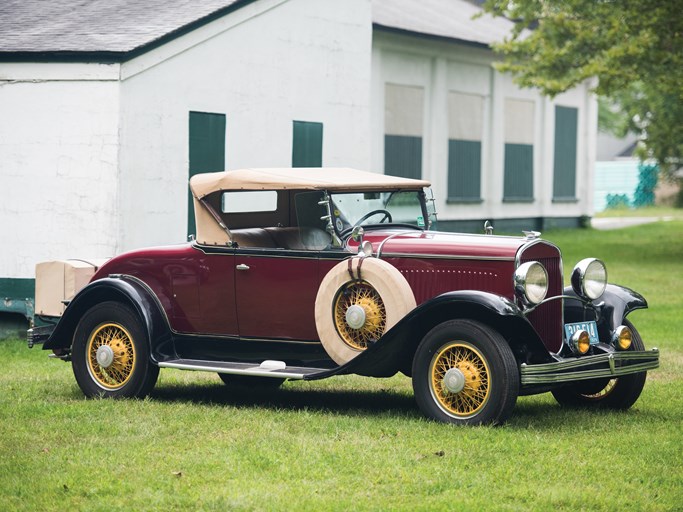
point(242, 266)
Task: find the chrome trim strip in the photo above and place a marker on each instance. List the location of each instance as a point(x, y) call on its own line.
point(381, 245)
point(279, 340)
point(448, 257)
point(476, 235)
point(254, 371)
point(574, 369)
point(535, 241)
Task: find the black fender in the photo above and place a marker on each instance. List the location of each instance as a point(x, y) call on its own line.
point(608, 310)
point(395, 350)
point(125, 289)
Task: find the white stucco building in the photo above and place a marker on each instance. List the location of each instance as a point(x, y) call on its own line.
point(108, 108)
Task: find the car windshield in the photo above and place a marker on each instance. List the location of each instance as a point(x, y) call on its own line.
point(366, 208)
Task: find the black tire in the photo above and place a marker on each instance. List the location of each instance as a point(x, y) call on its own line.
point(470, 356)
point(617, 394)
point(110, 353)
point(247, 381)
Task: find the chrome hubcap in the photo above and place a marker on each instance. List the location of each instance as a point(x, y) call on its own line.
point(454, 380)
point(355, 316)
point(104, 356)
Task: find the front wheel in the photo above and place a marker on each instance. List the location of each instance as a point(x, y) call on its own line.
point(619, 394)
point(465, 373)
point(110, 353)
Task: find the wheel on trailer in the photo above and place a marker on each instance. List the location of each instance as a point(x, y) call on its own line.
point(351, 313)
point(244, 380)
point(465, 373)
point(110, 353)
point(620, 393)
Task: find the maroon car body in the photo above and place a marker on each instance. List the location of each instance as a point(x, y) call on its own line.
point(262, 294)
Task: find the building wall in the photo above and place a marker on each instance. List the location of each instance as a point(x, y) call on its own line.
point(58, 164)
point(264, 66)
point(448, 71)
point(618, 177)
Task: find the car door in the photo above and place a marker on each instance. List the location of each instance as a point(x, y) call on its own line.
point(275, 290)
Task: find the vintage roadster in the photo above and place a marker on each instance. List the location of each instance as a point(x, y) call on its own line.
point(311, 273)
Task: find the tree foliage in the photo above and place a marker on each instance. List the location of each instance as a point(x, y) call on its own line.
point(634, 48)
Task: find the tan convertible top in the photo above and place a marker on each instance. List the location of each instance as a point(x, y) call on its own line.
point(211, 229)
point(306, 178)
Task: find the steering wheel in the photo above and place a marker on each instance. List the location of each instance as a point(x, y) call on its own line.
point(387, 216)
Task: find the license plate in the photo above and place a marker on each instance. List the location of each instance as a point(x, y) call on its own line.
point(590, 327)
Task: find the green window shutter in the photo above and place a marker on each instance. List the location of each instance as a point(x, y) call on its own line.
point(465, 132)
point(464, 170)
point(564, 171)
point(403, 112)
point(207, 151)
point(403, 156)
point(307, 144)
point(519, 172)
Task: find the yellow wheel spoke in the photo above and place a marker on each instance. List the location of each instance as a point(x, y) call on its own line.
point(115, 339)
point(472, 365)
point(603, 392)
point(363, 295)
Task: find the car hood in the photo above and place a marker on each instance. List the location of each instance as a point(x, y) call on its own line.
point(392, 243)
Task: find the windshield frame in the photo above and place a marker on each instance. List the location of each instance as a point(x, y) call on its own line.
point(346, 230)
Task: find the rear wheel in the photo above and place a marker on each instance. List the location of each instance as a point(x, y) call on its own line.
point(110, 353)
point(244, 380)
point(465, 373)
point(619, 393)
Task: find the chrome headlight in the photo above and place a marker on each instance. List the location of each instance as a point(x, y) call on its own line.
point(531, 282)
point(623, 337)
point(580, 342)
point(589, 278)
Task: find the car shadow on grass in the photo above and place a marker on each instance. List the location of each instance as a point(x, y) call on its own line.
point(533, 413)
point(291, 398)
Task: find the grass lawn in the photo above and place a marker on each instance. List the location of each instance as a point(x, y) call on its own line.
point(647, 211)
point(352, 443)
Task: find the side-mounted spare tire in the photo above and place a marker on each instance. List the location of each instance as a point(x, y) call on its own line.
point(359, 300)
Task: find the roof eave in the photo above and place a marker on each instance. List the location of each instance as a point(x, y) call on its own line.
point(64, 56)
point(111, 57)
point(432, 37)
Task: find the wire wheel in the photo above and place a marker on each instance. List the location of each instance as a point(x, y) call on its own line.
point(351, 314)
point(370, 314)
point(599, 395)
point(619, 394)
point(110, 356)
point(460, 379)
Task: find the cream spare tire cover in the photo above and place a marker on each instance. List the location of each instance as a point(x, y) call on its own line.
point(359, 300)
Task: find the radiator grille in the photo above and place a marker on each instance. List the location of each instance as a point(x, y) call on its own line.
point(547, 319)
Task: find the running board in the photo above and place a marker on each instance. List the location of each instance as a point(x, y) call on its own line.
point(275, 369)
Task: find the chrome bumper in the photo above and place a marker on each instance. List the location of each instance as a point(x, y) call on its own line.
point(37, 335)
point(600, 366)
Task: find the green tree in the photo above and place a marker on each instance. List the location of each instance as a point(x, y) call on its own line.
point(634, 48)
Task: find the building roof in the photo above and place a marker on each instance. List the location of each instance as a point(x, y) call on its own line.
point(103, 29)
point(447, 19)
point(117, 30)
